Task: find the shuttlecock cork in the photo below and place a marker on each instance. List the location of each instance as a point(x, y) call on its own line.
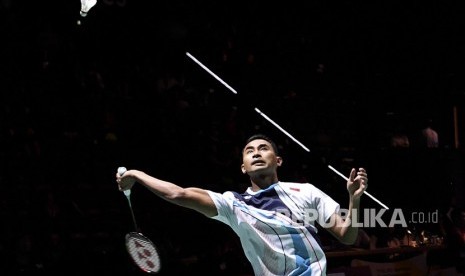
point(86, 5)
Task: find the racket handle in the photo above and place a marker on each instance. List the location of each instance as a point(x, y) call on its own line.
point(127, 193)
point(121, 171)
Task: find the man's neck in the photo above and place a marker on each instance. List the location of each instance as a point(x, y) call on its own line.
point(263, 182)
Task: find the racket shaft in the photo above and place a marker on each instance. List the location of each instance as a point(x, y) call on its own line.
point(132, 214)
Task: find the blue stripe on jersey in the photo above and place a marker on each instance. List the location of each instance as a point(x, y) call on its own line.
point(267, 199)
point(301, 253)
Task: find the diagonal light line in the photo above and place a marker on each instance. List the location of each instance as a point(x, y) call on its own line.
point(372, 197)
point(211, 73)
point(280, 128)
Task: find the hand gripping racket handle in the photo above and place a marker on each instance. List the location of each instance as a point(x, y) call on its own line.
point(121, 171)
point(127, 193)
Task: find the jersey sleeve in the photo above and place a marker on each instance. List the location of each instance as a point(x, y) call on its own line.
point(323, 203)
point(224, 205)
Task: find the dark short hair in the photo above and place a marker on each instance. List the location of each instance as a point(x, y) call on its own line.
point(263, 137)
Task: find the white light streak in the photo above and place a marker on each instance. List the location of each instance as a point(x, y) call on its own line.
point(211, 73)
point(372, 197)
point(280, 128)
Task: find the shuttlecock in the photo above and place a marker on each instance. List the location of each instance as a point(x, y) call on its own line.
point(86, 5)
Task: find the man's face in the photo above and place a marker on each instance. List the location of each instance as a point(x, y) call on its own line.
point(259, 156)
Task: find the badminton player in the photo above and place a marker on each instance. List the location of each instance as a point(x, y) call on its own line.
point(275, 220)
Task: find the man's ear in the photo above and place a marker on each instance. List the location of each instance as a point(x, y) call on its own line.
point(243, 169)
point(279, 161)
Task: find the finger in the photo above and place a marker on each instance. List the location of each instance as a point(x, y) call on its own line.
point(363, 184)
point(352, 175)
point(362, 179)
point(362, 172)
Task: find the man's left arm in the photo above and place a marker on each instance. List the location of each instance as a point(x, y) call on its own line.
point(345, 228)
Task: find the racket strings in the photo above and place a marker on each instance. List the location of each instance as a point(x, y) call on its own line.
point(143, 252)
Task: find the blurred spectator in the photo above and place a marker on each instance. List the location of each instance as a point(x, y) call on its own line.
point(430, 136)
point(400, 140)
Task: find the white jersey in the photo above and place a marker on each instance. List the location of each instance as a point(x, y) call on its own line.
point(276, 226)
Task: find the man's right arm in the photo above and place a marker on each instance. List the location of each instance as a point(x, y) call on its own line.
point(193, 198)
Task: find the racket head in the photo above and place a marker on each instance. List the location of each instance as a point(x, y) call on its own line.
point(143, 252)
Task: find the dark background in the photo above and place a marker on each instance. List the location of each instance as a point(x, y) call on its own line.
point(117, 89)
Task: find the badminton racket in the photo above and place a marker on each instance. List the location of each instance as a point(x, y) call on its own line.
point(141, 249)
